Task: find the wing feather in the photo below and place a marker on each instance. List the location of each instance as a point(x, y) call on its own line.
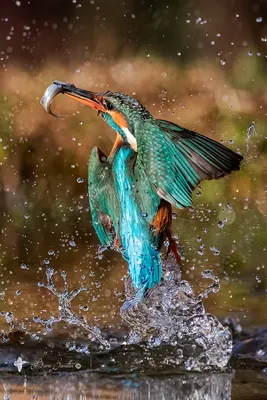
point(102, 206)
point(176, 159)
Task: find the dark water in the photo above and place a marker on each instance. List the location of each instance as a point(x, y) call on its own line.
point(50, 371)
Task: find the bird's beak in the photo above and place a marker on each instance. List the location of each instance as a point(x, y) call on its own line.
point(91, 99)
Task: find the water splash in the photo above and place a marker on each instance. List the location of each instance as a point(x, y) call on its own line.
point(171, 314)
point(171, 319)
point(64, 307)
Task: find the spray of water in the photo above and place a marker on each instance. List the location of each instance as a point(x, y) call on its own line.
point(171, 314)
point(64, 307)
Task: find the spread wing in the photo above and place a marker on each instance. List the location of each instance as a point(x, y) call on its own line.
point(176, 159)
point(102, 198)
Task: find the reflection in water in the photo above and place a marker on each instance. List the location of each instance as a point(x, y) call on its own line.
point(91, 387)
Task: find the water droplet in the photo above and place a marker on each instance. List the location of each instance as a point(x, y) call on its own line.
point(251, 129)
point(215, 251)
point(84, 308)
point(78, 366)
point(51, 252)
point(80, 180)
point(9, 317)
point(26, 216)
point(222, 62)
point(24, 266)
point(72, 243)
point(260, 353)
point(259, 19)
point(220, 224)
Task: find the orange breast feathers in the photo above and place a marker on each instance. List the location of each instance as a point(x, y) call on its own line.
point(118, 118)
point(163, 218)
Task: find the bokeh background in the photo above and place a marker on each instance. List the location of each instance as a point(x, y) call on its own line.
point(198, 63)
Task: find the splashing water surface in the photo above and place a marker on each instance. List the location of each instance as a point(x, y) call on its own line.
point(172, 314)
point(168, 327)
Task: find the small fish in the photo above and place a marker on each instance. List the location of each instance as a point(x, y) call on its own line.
point(51, 92)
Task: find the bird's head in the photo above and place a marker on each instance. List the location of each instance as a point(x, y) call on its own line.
point(120, 111)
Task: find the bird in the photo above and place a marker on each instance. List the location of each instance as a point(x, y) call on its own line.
point(124, 205)
point(153, 165)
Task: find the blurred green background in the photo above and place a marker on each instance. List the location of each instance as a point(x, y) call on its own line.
point(197, 63)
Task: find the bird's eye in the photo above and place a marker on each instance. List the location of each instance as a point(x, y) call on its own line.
point(108, 105)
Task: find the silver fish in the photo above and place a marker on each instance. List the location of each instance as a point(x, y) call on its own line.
point(51, 92)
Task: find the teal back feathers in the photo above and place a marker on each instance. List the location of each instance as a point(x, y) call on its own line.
point(137, 239)
point(123, 204)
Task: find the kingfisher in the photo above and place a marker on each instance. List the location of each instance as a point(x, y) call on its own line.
point(153, 165)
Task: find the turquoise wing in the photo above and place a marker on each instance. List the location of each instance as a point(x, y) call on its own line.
point(176, 159)
point(102, 197)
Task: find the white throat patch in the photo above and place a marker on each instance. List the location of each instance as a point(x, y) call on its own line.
point(131, 139)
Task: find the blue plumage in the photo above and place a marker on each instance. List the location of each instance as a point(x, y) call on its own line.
point(123, 205)
point(138, 241)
